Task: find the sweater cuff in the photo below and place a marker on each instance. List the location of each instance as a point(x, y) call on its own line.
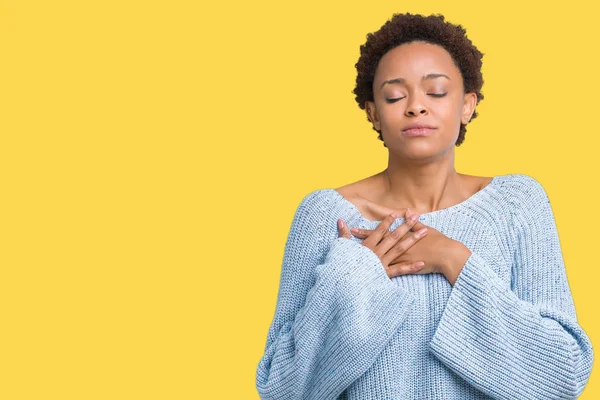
point(453, 333)
point(351, 263)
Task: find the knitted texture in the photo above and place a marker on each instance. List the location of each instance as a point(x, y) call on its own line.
point(507, 329)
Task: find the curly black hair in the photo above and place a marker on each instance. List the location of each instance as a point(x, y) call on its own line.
point(405, 28)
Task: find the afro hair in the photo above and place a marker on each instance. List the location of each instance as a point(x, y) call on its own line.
point(405, 28)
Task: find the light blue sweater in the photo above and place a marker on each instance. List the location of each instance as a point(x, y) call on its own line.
point(507, 329)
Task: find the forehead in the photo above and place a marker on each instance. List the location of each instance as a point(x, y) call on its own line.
point(413, 60)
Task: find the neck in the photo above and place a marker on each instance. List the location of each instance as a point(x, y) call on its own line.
point(424, 188)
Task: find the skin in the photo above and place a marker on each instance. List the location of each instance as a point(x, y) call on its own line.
point(420, 172)
point(437, 252)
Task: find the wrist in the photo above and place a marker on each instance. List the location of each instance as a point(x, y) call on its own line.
point(457, 257)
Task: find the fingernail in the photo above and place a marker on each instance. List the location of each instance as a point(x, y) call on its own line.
point(353, 230)
point(340, 223)
point(394, 214)
point(415, 217)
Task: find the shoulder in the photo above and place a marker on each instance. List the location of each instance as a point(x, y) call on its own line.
point(312, 222)
point(314, 208)
point(528, 202)
point(522, 190)
point(316, 200)
point(368, 184)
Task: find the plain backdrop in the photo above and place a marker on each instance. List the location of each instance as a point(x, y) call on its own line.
point(153, 154)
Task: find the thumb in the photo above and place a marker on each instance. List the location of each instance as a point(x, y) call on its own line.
point(343, 229)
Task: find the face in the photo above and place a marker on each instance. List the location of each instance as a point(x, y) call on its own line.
point(418, 83)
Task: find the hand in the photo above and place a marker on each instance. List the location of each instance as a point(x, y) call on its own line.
point(389, 246)
point(436, 250)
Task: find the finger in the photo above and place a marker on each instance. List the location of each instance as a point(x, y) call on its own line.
point(403, 245)
point(361, 233)
point(419, 225)
point(343, 229)
point(366, 232)
point(379, 231)
point(404, 268)
point(392, 238)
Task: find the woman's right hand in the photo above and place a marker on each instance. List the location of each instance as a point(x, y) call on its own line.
point(390, 245)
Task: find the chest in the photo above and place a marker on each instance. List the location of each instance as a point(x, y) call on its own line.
point(489, 238)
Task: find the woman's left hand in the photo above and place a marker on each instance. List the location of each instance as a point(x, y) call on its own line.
point(436, 250)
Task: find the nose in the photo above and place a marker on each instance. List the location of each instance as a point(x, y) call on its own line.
point(415, 106)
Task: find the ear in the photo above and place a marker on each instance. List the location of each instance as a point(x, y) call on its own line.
point(372, 114)
point(469, 103)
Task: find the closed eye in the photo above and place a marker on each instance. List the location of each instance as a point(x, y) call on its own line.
point(430, 94)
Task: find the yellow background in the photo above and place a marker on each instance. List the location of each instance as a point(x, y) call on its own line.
point(153, 154)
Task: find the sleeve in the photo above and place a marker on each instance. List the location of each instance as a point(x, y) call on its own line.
point(523, 341)
point(334, 314)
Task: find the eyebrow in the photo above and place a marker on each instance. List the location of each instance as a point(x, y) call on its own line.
point(402, 80)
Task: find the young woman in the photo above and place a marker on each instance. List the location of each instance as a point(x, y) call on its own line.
point(465, 296)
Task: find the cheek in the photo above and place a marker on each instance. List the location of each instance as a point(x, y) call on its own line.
point(451, 111)
point(391, 116)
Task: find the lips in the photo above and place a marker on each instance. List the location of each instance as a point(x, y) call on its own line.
point(418, 131)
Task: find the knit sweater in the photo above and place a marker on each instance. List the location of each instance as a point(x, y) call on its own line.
point(506, 329)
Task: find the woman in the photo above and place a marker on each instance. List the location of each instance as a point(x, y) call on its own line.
point(478, 306)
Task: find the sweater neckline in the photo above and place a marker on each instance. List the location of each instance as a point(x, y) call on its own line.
point(463, 204)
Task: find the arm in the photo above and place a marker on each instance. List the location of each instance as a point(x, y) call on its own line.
point(456, 259)
point(519, 342)
point(334, 314)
